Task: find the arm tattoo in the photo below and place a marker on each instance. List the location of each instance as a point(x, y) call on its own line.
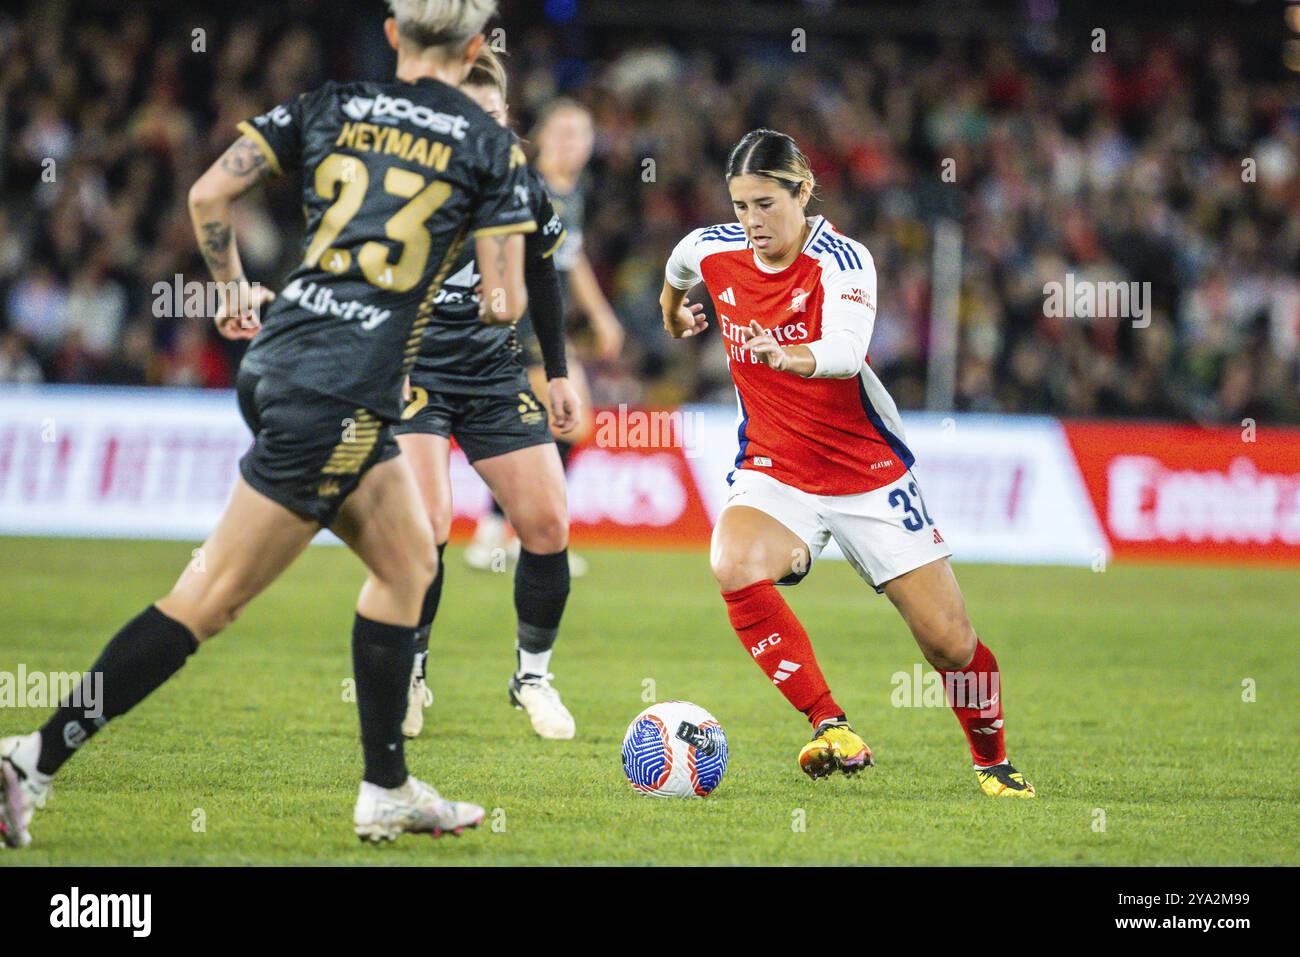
point(501, 254)
point(245, 160)
point(216, 245)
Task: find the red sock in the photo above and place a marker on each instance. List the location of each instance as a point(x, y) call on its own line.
point(779, 645)
point(975, 695)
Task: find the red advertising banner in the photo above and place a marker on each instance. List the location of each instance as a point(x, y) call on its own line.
point(1189, 493)
point(622, 496)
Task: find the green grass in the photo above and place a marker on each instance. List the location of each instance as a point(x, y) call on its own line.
point(1123, 693)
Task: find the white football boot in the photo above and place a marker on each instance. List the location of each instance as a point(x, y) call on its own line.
point(534, 694)
point(488, 551)
point(23, 789)
point(577, 565)
point(414, 808)
point(419, 697)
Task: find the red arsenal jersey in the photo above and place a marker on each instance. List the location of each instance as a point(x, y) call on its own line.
point(826, 436)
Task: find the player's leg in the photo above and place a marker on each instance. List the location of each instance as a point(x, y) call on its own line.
point(767, 533)
point(566, 442)
point(889, 536)
point(255, 540)
point(931, 604)
point(384, 523)
point(429, 456)
point(529, 484)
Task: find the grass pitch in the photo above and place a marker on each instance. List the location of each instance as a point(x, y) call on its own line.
point(1125, 695)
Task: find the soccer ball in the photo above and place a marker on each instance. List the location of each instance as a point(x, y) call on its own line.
point(674, 749)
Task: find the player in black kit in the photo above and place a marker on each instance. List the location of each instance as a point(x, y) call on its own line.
point(397, 178)
point(469, 382)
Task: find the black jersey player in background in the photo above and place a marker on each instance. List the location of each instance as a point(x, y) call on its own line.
point(396, 178)
point(563, 136)
point(468, 383)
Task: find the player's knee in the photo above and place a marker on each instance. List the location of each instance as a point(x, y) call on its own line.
point(209, 619)
point(734, 569)
point(423, 567)
point(546, 533)
point(951, 643)
point(438, 511)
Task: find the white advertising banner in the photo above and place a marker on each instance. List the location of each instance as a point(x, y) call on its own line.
point(159, 463)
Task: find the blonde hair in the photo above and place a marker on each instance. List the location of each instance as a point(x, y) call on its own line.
point(489, 70)
point(441, 23)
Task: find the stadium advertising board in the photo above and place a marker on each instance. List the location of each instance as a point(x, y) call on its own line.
point(159, 463)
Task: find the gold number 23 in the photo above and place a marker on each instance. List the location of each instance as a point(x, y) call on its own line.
point(346, 179)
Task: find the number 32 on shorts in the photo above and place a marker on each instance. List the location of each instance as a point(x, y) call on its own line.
point(913, 520)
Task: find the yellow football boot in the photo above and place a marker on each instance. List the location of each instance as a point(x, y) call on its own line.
point(1004, 781)
point(834, 747)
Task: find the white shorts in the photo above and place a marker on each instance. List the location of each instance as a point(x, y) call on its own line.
point(883, 533)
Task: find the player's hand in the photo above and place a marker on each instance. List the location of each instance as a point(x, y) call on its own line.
point(765, 347)
point(687, 321)
point(565, 404)
point(609, 337)
point(239, 316)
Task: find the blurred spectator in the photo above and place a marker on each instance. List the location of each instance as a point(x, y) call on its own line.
point(1172, 160)
point(16, 364)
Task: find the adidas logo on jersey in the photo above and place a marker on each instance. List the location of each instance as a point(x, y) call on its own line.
point(729, 296)
point(390, 109)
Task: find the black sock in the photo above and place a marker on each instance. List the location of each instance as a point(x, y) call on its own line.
point(148, 650)
point(428, 612)
point(381, 663)
point(541, 590)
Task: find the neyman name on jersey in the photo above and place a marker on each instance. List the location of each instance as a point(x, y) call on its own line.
point(398, 177)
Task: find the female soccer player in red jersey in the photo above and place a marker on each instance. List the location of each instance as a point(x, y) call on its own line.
point(821, 456)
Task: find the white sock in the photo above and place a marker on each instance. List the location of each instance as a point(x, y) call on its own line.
point(534, 662)
point(26, 753)
point(376, 791)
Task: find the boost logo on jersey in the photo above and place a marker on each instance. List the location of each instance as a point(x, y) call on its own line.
point(390, 109)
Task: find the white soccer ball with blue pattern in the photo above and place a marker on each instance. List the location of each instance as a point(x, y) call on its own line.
point(674, 749)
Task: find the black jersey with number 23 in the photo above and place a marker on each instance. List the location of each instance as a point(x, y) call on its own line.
point(397, 177)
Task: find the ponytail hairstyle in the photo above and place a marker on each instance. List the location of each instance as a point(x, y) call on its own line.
point(775, 155)
point(489, 71)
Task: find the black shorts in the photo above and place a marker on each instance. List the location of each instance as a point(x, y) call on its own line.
point(483, 425)
point(310, 450)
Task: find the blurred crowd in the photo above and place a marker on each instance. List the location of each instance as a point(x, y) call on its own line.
point(1171, 160)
